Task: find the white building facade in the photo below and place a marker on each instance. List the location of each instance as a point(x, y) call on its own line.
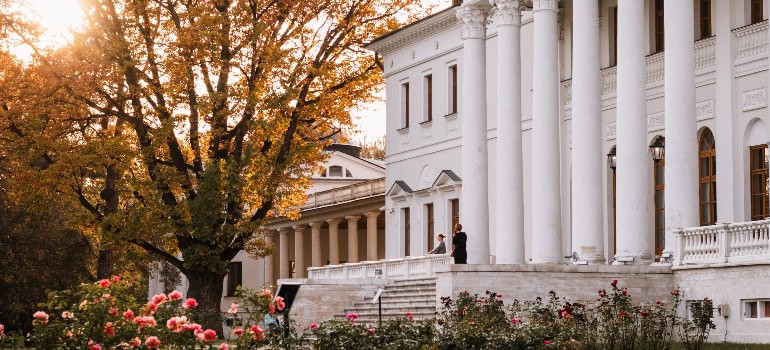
point(501, 115)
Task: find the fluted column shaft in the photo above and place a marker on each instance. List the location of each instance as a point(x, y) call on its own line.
point(334, 241)
point(269, 240)
point(371, 235)
point(475, 197)
point(546, 185)
point(634, 238)
point(315, 238)
point(284, 252)
point(299, 251)
point(681, 171)
point(352, 238)
point(587, 155)
point(510, 186)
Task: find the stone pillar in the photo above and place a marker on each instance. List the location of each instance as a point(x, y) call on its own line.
point(352, 238)
point(634, 237)
point(315, 236)
point(284, 252)
point(299, 251)
point(371, 235)
point(334, 241)
point(724, 102)
point(546, 185)
point(475, 197)
point(681, 172)
point(269, 274)
point(587, 156)
point(510, 192)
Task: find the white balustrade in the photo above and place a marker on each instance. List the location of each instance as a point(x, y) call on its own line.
point(403, 268)
point(705, 53)
point(359, 190)
point(752, 40)
point(723, 243)
point(609, 80)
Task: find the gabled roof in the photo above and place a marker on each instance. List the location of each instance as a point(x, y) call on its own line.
point(446, 177)
point(394, 39)
point(399, 188)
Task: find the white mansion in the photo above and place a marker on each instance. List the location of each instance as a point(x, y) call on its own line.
point(521, 103)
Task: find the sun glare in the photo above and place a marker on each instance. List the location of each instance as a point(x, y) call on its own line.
point(56, 17)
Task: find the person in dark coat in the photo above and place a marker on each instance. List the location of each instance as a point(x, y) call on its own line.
point(459, 238)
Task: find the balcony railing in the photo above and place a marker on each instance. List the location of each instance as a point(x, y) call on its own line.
point(402, 268)
point(359, 190)
point(723, 243)
point(752, 40)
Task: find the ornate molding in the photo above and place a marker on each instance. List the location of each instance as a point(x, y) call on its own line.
point(656, 121)
point(507, 12)
point(754, 99)
point(474, 20)
point(415, 32)
point(704, 109)
point(612, 131)
point(545, 5)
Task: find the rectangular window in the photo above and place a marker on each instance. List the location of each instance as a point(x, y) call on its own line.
point(404, 105)
point(756, 308)
point(756, 11)
point(659, 44)
point(614, 58)
point(407, 240)
point(455, 213)
point(430, 226)
point(234, 277)
point(452, 89)
point(705, 18)
point(758, 166)
point(660, 210)
point(428, 98)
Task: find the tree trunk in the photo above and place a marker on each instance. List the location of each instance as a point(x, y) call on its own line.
point(105, 264)
point(206, 287)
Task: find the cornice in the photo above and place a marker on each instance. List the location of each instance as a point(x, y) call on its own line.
point(417, 31)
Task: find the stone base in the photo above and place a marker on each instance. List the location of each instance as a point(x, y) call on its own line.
point(574, 282)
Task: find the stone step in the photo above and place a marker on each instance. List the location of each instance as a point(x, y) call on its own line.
point(415, 280)
point(408, 293)
point(397, 309)
point(399, 302)
point(389, 289)
point(409, 283)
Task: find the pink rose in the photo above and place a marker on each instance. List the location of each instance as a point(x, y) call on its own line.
point(352, 316)
point(409, 315)
point(280, 303)
point(109, 328)
point(115, 279)
point(257, 333)
point(190, 303)
point(159, 299)
point(152, 342)
point(40, 316)
point(625, 291)
point(175, 295)
point(129, 315)
point(313, 325)
point(95, 347)
point(238, 331)
point(515, 320)
point(209, 335)
point(135, 343)
point(675, 293)
point(105, 283)
point(546, 342)
point(224, 346)
point(614, 283)
point(2, 329)
point(233, 308)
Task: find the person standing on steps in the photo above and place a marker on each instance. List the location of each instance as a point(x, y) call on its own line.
point(459, 238)
point(441, 247)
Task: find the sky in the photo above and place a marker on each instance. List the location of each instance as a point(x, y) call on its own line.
point(58, 16)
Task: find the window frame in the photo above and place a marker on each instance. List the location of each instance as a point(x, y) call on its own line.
point(761, 312)
point(453, 86)
point(710, 179)
point(405, 105)
point(756, 11)
point(705, 19)
point(406, 218)
point(430, 226)
point(428, 83)
point(760, 171)
point(659, 176)
point(234, 280)
point(658, 18)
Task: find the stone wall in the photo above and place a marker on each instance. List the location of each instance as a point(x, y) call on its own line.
point(319, 301)
point(574, 282)
point(731, 285)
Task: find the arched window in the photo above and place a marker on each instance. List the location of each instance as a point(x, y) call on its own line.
point(708, 178)
point(335, 171)
point(348, 173)
point(758, 166)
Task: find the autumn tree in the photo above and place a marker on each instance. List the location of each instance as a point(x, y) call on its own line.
point(180, 126)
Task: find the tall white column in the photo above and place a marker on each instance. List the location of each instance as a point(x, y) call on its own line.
point(315, 242)
point(269, 274)
point(284, 252)
point(299, 251)
point(510, 192)
point(352, 238)
point(371, 235)
point(334, 241)
point(587, 155)
point(634, 237)
point(546, 186)
point(681, 171)
point(475, 197)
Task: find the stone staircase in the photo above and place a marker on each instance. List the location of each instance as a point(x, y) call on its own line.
point(416, 296)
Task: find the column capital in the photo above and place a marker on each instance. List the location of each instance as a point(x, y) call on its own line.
point(299, 228)
point(335, 221)
point(284, 230)
point(316, 224)
point(372, 214)
point(507, 12)
point(545, 5)
point(353, 218)
point(474, 18)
